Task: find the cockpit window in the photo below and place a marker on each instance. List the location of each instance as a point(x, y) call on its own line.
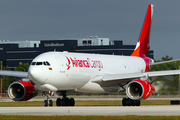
point(39, 63)
point(33, 63)
point(46, 63)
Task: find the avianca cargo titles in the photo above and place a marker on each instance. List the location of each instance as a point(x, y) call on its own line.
point(87, 63)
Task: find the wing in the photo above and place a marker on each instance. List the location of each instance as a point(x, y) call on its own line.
point(123, 79)
point(14, 73)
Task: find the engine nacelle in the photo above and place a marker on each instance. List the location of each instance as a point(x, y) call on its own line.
point(139, 89)
point(22, 91)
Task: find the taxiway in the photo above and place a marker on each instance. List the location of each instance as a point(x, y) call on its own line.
point(169, 110)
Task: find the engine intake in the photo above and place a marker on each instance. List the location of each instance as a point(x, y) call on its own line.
point(139, 89)
point(22, 91)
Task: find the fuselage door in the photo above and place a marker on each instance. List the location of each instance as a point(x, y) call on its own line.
point(61, 65)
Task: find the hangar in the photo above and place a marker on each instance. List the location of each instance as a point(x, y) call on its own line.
point(11, 53)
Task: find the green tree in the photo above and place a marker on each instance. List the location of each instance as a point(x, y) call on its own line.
point(167, 66)
point(22, 67)
point(7, 80)
point(171, 86)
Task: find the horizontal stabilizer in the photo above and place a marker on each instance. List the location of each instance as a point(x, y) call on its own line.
point(164, 62)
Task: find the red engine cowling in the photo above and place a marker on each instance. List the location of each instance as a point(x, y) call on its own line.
point(139, 89)
point(22, 91)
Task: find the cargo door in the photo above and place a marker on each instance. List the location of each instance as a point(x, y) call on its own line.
point(61, 65)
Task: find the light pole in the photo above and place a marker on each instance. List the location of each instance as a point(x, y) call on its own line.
point(179, 84)
point(1, 80)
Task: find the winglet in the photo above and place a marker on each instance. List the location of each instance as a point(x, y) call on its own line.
point(142, 46)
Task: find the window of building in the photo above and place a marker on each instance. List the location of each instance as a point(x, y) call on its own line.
point(89, 42)
point(101, 42)
point(84, 42)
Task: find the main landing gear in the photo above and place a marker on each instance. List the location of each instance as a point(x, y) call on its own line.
point(65, 101)
point(129, 102)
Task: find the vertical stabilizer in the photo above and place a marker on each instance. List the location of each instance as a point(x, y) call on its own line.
point(142, 46)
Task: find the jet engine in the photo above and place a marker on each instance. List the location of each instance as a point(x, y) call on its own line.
point(139, 89)
point(22, 91)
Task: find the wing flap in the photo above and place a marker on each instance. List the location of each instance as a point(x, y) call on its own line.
point(114, 79)
point(122, 79)
point(110, 77)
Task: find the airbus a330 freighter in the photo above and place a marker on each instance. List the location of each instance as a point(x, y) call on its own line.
point(91, 73)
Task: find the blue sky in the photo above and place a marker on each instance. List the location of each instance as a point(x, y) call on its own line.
point(115, 19)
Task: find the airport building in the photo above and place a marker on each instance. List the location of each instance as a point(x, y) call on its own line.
point(11, 53)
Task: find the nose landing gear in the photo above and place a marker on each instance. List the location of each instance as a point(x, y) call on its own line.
point(48, 101)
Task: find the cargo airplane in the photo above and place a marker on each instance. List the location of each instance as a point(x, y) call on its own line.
point(91, 73)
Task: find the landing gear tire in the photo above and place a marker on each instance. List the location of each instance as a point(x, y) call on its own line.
point(59, 102)
point(71, 102)
point(124, 101)
point(138, 103)
point(129, 102)
point(65, 101)
point(45, 103)
point(133, 102)
point(50, 103)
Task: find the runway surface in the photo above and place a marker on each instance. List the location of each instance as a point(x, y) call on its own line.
point(169, 110)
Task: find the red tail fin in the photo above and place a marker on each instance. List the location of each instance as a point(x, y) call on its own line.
point(142, 46)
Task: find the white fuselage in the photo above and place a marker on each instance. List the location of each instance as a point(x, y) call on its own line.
point(74, 71)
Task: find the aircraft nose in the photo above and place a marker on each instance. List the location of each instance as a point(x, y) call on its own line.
point(36, 76)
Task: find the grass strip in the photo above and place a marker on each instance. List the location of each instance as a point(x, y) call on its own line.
point(131, 117)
